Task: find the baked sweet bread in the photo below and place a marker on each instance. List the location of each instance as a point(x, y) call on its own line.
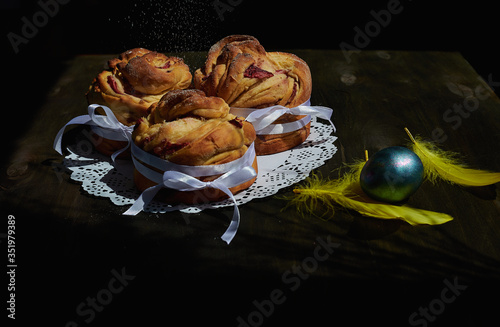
point(239, 70)
point(135, 80)
point(188, 128)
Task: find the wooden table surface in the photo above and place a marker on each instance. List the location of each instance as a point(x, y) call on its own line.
point(80, 262)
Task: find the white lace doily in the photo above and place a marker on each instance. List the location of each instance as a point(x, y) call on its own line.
point(276, 171)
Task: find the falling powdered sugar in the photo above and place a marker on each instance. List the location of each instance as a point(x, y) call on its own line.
point(173, 26)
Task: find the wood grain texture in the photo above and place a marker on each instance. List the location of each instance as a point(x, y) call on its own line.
point(382, 272)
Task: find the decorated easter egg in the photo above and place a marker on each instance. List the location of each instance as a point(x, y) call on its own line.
point(392, 174)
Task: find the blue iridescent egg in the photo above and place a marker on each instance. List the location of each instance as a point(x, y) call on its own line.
point(392, 174)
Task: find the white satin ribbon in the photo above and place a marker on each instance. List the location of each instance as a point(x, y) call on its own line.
point(105, 126)
point(181, 178)
point(195, 171)
point(262, 119)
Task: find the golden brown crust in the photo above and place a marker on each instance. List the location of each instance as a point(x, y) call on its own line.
point(298, 70)
point(127, 107)
point(189, 102)
point(135, 80)
point(155, 73)
point(126, 56)
point(239, 70)
point(188, 128)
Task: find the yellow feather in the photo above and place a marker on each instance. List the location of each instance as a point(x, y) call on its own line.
point(346, 192)
point(439, 164)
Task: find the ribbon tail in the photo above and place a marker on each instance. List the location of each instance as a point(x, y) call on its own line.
point(325, 113)
point(246, 174)
point(58, 140)
point(117, 153)
point(143, 200)
point(77, 120)
point(230, 232)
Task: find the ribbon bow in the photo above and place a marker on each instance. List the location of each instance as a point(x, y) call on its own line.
point(106, 126)
point(262, 119)
point(183, 182)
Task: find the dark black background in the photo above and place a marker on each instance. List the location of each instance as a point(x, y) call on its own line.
point(91, 26)
point(101, 27)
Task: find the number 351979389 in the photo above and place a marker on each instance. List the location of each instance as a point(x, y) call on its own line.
point(11, 239)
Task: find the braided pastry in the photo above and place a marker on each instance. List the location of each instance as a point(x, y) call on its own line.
point(239, 70)
point(188, 128)
point(135, 80)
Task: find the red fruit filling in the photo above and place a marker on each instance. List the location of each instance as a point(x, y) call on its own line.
point(112, 83)
point(167, 148)
point(166, 66)
point(236, 122)
point(256, 72)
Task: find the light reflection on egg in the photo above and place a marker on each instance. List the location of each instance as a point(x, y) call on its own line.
point(392, 174)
